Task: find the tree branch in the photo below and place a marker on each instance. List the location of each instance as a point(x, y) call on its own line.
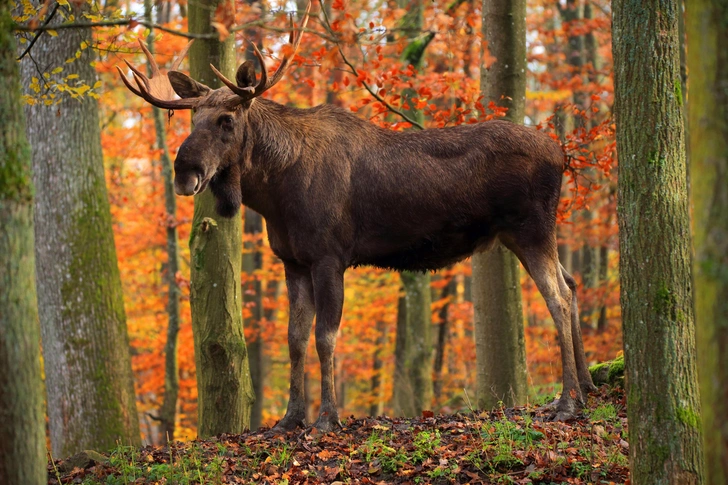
point(32, 42)
point(371, 91)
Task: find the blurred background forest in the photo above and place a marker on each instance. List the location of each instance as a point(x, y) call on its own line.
point(569, 94)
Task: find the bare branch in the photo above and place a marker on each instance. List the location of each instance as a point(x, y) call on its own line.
point(32, 42)
point(371, 91)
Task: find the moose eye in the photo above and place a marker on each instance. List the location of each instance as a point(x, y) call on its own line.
point(226, 121)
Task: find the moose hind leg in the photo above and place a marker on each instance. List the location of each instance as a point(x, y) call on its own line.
point(542, 263)
point(300, 321)
point(582, 369)
point(328, 281)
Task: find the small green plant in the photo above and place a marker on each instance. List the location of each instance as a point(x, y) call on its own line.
point(604, 412)
point(282, 456)
point(376, 449)
point(425, 443)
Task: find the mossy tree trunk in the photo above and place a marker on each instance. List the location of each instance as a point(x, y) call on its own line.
point(413, 382)
point(168, 410)
point(22, 422)
point(663, 404)
point(500, 347)
point(707, 28)
point(91, 399)
point(224, 384)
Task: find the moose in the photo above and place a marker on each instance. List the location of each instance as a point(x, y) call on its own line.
point(337, 191)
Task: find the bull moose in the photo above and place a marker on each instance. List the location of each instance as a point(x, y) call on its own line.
point(337, 191)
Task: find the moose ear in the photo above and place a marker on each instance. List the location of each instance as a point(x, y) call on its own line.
point(185, 86)
point(245, 77)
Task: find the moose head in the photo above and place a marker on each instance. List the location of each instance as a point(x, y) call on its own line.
point(219, 121)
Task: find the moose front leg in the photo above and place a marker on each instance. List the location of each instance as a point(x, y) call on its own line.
point(328, 283)
point(300, 320)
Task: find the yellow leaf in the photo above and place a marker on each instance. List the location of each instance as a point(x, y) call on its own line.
point(72, 76)
point(82, 89)
point(56, 70)
point(63, 2)
point(78, 54)
point(52, 33)
point(97, 85)
point(83, 45)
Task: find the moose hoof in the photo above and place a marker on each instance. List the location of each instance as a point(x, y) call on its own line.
point(327, 422)
point(587, 388)
point(565, 409)
point(289, 423)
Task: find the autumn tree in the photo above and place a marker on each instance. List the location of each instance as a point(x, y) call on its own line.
point(91, 400)
point(22, 437)
point(498, 313)
point(223, 373)
point(708, 141)
point(663, 404)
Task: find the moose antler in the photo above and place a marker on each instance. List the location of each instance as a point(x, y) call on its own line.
point(157, 90)
point(265, 82)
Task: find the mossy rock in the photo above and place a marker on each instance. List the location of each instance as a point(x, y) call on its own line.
point(84, 459)
point(610, 372)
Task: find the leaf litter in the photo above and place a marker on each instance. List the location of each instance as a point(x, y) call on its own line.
point(514, 445)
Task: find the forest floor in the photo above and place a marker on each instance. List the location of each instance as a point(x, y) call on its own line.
point(506, 446)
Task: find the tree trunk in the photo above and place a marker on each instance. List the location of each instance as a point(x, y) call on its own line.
point(498, 313)
point(224, 384)
point(402, 391)
point(663, 404)
point(413, 381)
point(449, 292)
point(419, 323)
point(22, 423)
point(708, 109)
point(253, 301)
point(376, 407)
point(91, 400)
point(168, 411)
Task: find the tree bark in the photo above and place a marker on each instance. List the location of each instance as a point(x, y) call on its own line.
point(168, 410)
point(498, 313)
point(708, 110)
point(253, 301)
point(663, 404)
point(224, 383)
point(91, 400)
point(419, 322)
point(22, 422)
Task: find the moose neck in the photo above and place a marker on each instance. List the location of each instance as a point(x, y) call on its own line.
point(284, 145)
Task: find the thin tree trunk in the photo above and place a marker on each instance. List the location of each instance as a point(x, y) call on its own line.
point(253, 291)
point(498, 313)
point(224, 384)
point(91, 400)
point(663, 405)
point(448, 292)
point(253, 301)
point(419, 323)
point(168, 411)
point(377, 365)
point(708, 109)
point(22, 423)
point(402, 392)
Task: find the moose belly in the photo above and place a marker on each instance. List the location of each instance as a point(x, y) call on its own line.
point(427, 253)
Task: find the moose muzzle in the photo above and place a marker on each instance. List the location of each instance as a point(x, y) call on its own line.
point(187, 184)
